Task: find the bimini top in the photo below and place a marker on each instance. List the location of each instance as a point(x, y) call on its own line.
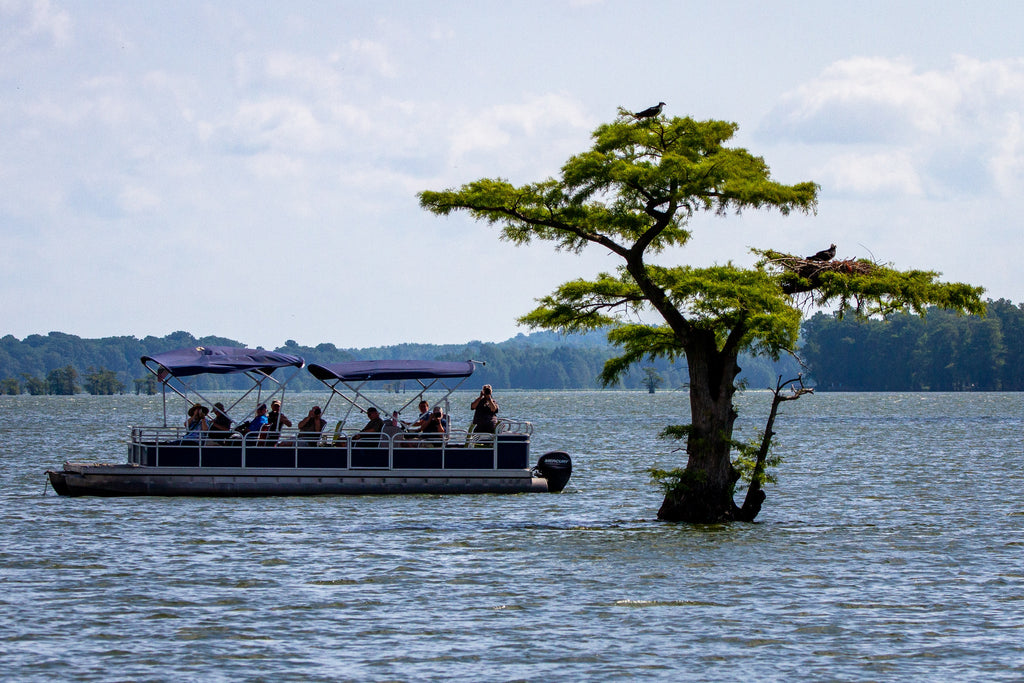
point(366, 370)
point(220, 360)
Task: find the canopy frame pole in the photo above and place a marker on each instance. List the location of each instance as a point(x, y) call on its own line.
point(190, 394)
point(351, 390)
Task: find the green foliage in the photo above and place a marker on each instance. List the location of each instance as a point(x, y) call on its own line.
point(63, 381)
point(865, 288)
point(940, 351)
point(634, 193)
point(582, 306)
point(721, 299)
point(39, 355)
point(679, 432)
point(745, 462)
point(146, 385)
point(652, 380)
point(718, 299)
point(677, 481)
point(103, 382)
point(541, 360)
point(639, 342)
point(35, 386)
point(10, 386)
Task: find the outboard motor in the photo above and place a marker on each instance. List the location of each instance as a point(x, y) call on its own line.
point(556, 467)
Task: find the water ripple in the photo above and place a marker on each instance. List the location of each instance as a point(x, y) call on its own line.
point(889, 550)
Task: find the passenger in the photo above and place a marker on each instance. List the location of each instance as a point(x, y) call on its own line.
point(221, 422)
point(196, 425)
point(424, 417)
point(485, 412)
point(435, 425)
point(375, 425)
point(275, 420)
point(393, 427)
point(257, 424)
point(310, 427)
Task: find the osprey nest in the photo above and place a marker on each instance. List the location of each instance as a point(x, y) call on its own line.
point(809, 270)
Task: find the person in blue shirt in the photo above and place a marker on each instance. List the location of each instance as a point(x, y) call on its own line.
point(197, 425)
point(260, 421)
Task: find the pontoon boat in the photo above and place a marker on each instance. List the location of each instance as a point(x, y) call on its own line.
point(171, 461)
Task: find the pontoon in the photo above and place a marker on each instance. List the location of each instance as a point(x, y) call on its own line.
point(170, 461)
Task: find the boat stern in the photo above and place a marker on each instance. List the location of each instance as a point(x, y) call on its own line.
point(555, 467)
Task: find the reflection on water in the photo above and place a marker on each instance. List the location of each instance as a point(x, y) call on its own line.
point(890, 549)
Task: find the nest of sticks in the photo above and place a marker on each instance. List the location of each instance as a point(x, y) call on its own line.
point(808, 272)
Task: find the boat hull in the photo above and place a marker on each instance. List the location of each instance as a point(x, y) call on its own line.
point(135, 480)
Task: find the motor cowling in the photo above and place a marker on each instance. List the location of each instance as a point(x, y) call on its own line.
point(556, 467)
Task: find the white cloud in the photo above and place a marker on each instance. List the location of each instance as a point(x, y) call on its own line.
point(865, 99)
point(305, 70)
point(375, 54)
point(32, 19)
point(495, 127)
point(1007, 164)
point(880, 173)
point(137, 199)
point(272, 124)
point(939, 127)
point(204, 124)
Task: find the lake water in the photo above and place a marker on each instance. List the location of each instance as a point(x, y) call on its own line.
point(892, 548)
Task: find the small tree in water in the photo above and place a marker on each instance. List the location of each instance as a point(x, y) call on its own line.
point(634, 194)
point(652, 379)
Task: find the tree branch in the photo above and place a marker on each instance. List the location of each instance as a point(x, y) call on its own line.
point(755, 495)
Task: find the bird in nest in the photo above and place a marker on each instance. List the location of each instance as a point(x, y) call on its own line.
point(824, 254)
point(650, 112)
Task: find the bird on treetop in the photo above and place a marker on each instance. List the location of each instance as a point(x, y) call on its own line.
point(650, 112)
point(824, 254)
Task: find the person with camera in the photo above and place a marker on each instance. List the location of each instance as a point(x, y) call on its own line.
point(310, 427)
point(485, 412)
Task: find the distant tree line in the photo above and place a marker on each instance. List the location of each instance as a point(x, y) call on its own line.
point(941, 351)
point(60, 363)
point(64, 381)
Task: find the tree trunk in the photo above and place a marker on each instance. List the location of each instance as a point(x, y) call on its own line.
point(705, 494)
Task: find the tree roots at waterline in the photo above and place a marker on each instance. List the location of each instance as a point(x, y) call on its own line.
point(690, 498)
point(705, 507)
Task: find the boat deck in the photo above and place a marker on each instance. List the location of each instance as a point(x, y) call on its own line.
point(162, 462)
point(167, 447)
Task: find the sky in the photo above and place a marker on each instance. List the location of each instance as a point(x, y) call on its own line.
point(250, 169)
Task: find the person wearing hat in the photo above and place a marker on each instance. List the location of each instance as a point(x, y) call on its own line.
point(375, 424)
point(275, 420)
point(196, 424)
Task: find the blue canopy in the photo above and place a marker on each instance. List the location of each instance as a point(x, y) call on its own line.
point(221, 360)
point(364, 370)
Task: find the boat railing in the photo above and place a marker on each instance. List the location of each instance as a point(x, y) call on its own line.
point(363, 450)
point(513, 425)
